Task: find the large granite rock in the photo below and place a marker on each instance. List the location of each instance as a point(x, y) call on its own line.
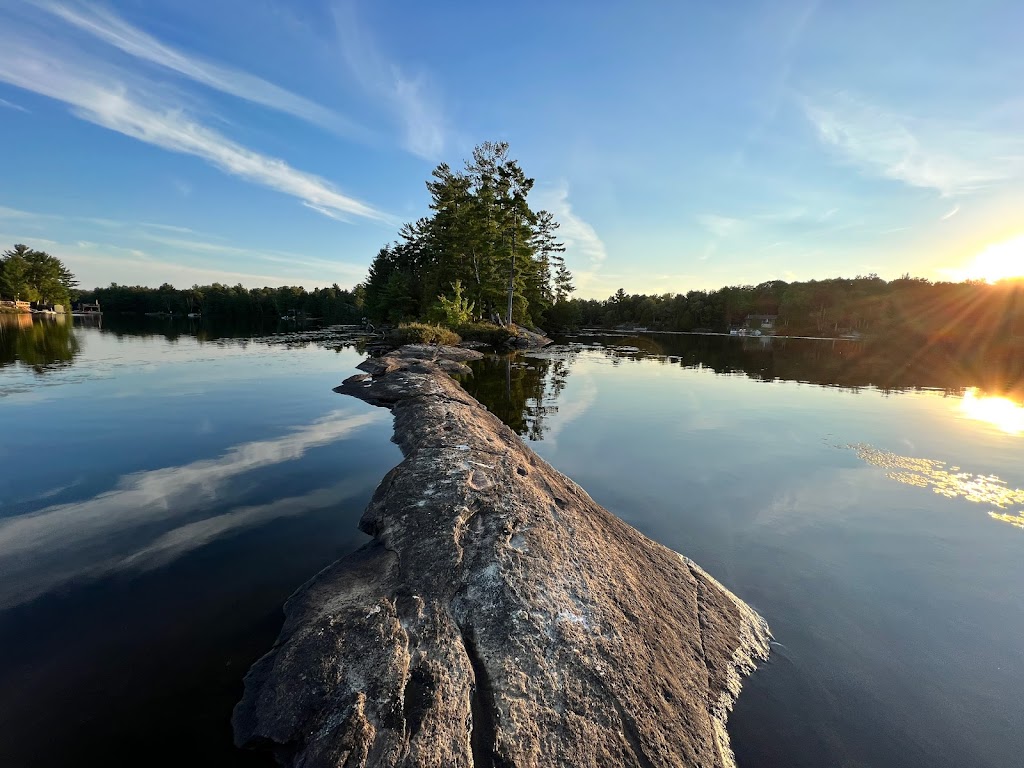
point(527, 339)
point(499, 617)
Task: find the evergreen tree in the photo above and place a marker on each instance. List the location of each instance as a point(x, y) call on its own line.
point(32, 275)
point(483, 235)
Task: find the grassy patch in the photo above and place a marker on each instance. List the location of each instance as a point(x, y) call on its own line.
point(488, 333)
point(422, 333)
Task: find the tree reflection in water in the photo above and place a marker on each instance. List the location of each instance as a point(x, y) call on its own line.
point(42, 344)
point(522, 389)
point(889, 364)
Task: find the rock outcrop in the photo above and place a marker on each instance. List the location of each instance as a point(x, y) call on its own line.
point(527, 339)
point(500, 617)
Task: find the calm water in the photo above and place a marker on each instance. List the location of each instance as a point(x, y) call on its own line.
point(163, 492)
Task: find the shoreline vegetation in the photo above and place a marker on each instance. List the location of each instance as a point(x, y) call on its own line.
point(864, 306)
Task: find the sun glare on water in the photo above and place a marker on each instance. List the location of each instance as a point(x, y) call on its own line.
point(1000, 412)
point(997, 262)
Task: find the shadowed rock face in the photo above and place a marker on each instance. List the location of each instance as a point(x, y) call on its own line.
point(500, 617)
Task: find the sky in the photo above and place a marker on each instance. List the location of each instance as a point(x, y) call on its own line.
point(681, 146)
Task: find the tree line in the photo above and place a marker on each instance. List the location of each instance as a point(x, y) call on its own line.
point(865, 305)
point(234, 303)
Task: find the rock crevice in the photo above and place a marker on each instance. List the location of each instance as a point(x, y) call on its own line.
point(500, 617)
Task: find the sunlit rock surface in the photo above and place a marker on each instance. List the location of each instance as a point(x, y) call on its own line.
point(499, 617)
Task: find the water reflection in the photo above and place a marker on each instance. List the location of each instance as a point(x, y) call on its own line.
point(522, 390)
point(45, 344)
point(951, 482)
point(886, 364)
point(42, 344)
point(1001, 412)
point(148, 519)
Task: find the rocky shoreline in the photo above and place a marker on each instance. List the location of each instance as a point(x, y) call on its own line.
point(500, 617)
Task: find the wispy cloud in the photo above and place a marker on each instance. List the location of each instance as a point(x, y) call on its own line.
point(408, 97)
point(950, 158)
point(779, 29)
point(101, 264)
point(15, 213)
point(8, 214)
point(951, 213)
point(193, 246)
point(56, 545)
point(577, 234)
point(168, 227)
point(720, 226)
point(582, 243)
point(100, 96)
point(148, 252)
point(11, 105)
point(104, 25)
point(182, 187)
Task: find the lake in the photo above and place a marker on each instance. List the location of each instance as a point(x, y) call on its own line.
point(166, 486)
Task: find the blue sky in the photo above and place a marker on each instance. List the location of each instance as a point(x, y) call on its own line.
point(681, 145)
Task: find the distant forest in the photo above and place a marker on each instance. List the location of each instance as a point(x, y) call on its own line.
point(233, 303)
point(866, 305)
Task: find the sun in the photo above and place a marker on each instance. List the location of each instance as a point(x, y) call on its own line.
point(997, 261)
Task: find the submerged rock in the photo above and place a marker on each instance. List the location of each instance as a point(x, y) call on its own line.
point(500, 617)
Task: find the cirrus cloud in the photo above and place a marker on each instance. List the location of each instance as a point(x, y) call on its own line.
point(949, 157)
point(136, 108)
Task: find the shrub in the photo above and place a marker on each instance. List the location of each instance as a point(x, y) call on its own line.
point(488, 333)
point(421, 333)
point(455, 311)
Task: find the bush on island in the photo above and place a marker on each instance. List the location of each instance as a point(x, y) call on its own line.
point(421, 333)
point(488, 333)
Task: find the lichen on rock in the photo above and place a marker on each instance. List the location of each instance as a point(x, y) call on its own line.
point(500, 617)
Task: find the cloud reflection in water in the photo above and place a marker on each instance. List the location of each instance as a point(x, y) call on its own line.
point(43, 550)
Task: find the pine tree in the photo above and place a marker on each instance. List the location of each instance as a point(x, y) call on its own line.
point(482, 234)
